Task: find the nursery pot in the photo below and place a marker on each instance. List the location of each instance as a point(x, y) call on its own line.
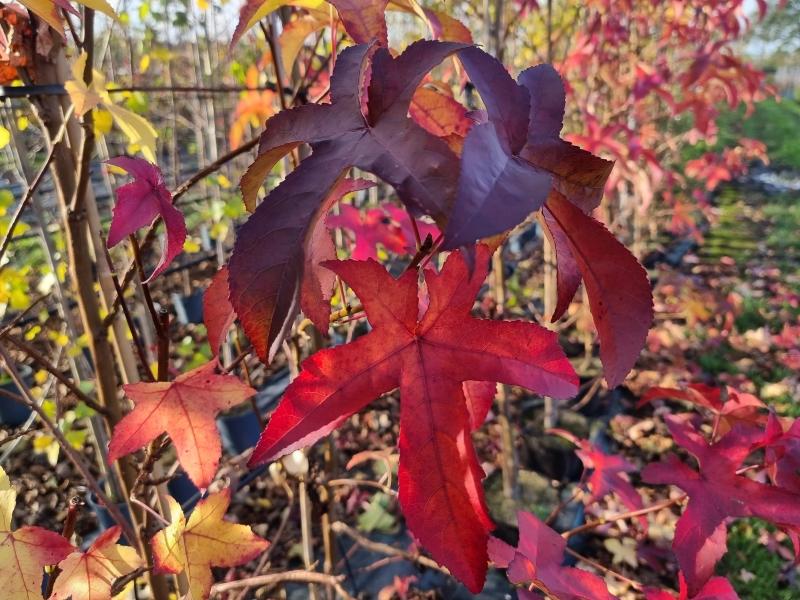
point(13, 413)
point(184, 491)
point(104, 518)
point(239, 429)
point(189, 309)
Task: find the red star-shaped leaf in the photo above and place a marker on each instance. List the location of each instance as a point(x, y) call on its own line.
point(716, 494)
point(538, 559)
point(622, 306)
point(140, 202)
point(728, 405)
point(716, 588)
point(186, 410)
point(429, 358)
point(607, 476)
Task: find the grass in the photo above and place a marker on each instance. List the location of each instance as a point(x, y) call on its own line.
point(754, 570)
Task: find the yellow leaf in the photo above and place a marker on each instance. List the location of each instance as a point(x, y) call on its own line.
point(138, 130)
point(83, 97)
point(293, 37)
point(41, 376)
point(144, 63)
point(273, 5)
point(102, 121)
point(202, 4)
point(47, 11)
point(8, 498)
point(207, 539)
point(90, 575)
point(101, 6)
point(5, 137)
point(42, 442)
point(223, 181)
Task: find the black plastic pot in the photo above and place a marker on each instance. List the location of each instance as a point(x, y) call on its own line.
point(189, 309)
point(104, 518)
point(184, 491)
point(240, 428)
point(12, 413)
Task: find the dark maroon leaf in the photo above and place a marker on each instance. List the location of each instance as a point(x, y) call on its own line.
point(511, 162)
point(266, 268)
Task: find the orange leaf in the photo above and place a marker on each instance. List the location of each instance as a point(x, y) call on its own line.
point(185, 409)
point(207, 539)
point(89, 575)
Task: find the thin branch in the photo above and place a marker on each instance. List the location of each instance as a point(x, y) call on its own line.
point(605, 570)
point(34, 184)
point(19, 316)
point(67, 448)
point(55, 372)
point(148, 298)
point(212, 167)
point(339, 527)
point(300, 576)
point(623, 516)
point(364, 483)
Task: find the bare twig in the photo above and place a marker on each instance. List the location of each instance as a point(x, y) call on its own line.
point(35, 183)
point(623, 516)
point(18, 317)
point(55, 372)
point(287, 576)
point(364, 483)
point(603, 569)
point(66, 447)
point(339, 527)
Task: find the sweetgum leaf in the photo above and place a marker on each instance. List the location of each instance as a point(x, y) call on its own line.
point(511, 162)
point(317, 283)
point(607, 476)
point(568, 274)
point(90, 575)
point(728, 405)
point(538, 559)
point(25, 552)
point(185, 409)
point(269, 258)
point(206, 540)
point(442, 116)
point(362, 19)
point(716, 588)
point(369, 228)
point(429, 358)
point(716, 494)
point(218, 314)
point(387, 225)
point(619, 291)
point(140, 202)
